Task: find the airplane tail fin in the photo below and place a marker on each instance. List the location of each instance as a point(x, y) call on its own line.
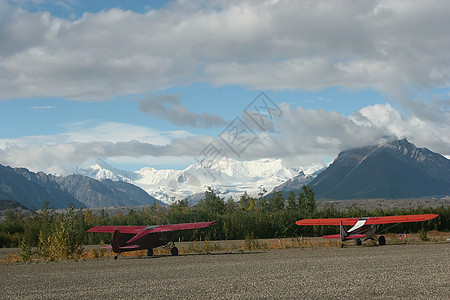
point(342, 231)
point(117, 241)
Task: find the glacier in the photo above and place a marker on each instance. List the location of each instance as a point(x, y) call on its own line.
point(227, 177)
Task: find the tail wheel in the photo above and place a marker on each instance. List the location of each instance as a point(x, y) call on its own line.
point(149, 252)
point(174, 251)
point(381, 240)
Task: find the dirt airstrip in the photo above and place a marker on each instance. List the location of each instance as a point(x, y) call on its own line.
point(414, 271)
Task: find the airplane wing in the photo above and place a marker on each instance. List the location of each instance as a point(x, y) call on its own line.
point(121, 229)
point(186, 226)
point(368, 220)
point(400, 219)
point(150, 229)
point(170, 228)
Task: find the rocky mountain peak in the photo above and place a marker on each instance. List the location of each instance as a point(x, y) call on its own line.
point(34, 189)
point(393, 169)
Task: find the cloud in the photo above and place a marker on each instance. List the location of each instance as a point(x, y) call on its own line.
point(303, 137)
point(83, 143)
point(168, 107)
point(386, 45)
point(63, 157)
point(88, 132)
point(42, 108)
point(432, 134)
point(307, 136)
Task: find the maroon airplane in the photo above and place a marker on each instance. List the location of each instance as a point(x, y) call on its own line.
point(363, 228)
point(147, 237)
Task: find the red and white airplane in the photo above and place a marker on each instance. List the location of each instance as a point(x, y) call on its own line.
point(363, 228)
point(147, 237)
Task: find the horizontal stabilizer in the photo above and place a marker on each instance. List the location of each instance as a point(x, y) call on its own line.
point(332, 236)
point(349, 237)
point(122, 248)
point(335, 221)
point(130, 247)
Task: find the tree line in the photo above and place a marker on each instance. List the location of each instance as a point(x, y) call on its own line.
point(248, 217)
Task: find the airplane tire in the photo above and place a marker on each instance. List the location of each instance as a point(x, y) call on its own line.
point(358, 242)
point(149, 252)
point(342, 245)
point(116, 256)
point(381, 240)
point(174, 251)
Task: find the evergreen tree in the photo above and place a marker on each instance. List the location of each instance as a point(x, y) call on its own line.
point(262, 204)
point(211, 206)
point(230, 206)
point(276, 202)
point(310, 201)
point(292, 201)
point(244, 202)
point(214, 203)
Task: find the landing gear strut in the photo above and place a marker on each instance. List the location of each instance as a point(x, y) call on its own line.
point(173, 249)
point(381, 240)
point(171, 246)
point(150, 252)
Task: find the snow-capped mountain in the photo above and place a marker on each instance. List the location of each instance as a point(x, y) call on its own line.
point(226, 177)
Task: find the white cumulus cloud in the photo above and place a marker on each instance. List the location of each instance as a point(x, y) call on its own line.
point(385, 45)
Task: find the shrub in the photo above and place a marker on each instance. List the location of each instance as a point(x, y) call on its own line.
point(25, 253)
point(423, 234)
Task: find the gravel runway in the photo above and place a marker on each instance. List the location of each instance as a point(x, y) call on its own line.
point(419, 271)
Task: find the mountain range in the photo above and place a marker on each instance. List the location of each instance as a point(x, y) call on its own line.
point(32, 190)
point(227, 177)
point(391, 170)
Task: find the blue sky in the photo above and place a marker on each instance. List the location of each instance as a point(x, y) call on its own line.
point(153, 83)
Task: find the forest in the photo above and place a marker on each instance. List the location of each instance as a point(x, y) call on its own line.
point(248, 217)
